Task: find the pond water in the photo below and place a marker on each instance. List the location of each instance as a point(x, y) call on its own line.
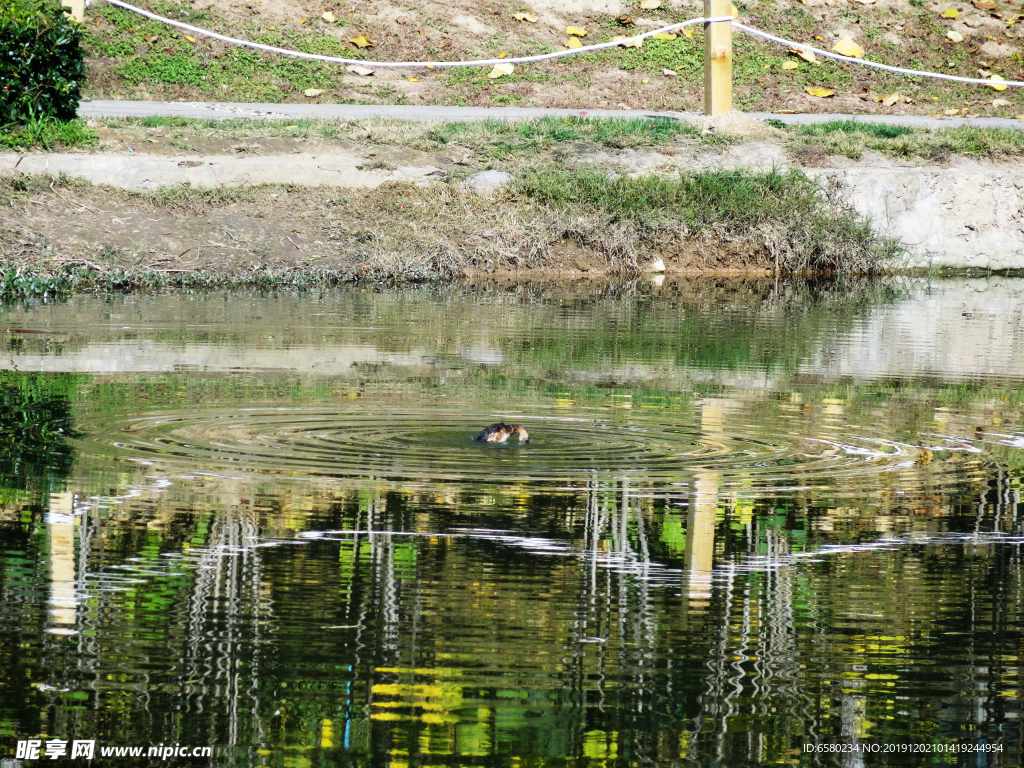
point(755, 523)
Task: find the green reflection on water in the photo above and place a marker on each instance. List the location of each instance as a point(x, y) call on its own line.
point(35, 425)
point(275, 536)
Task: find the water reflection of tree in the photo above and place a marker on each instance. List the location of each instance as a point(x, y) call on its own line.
point(36, 422)
point(410, 632)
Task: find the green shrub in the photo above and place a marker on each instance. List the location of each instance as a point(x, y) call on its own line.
point(41, 62)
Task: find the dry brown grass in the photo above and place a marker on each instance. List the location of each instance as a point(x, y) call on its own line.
point(554, 222)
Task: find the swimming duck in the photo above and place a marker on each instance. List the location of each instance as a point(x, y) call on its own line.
point(500, 432)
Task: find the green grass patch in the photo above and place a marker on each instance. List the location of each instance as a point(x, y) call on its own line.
point(802, 228)
point(879, 130)
point(852, 138)
point(47, 133)
point(142, 54)
point(18, 285)
point(506, 137)
point(166, 121)
point(163, 68)
point(492, 138)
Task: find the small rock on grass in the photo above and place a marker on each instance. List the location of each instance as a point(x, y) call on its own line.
point(488, 183)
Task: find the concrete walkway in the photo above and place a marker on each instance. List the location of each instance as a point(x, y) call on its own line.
point(151, 172)
point(225, 111)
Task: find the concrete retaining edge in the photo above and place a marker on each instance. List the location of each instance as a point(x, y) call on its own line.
point(943, 217)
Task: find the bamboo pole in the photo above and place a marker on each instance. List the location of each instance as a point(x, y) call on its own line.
point(717, 58)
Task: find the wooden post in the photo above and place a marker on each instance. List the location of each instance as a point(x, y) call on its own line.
point(717, 58)
point(76, 8)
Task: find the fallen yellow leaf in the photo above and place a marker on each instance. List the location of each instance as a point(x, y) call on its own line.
point(891, 99)
point(689, 32)
point(502, 55)
point(821, 93)
point(846, 47)
point(949, 13)
point(625, 20)
point(190, 38)
point(805, 55)
point(983, 5)
point(361, 41)
point(733, 12)
point(577, 31)
point(789, 65)
point(996, 83)
point(525, 16)
point(573, 42)
point(645, 81)
point(328, 17)
point(664, 36)
point(303, 21)
point(500, 70)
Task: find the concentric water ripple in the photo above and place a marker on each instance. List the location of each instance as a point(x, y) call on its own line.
point(432, 444)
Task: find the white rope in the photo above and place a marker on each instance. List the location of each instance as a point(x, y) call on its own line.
point(412, 64)
point(866, 63)
point(558, 54)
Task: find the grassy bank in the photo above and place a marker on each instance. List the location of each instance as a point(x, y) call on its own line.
point(504, 141)
point(785, 218)
point(61, 235)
